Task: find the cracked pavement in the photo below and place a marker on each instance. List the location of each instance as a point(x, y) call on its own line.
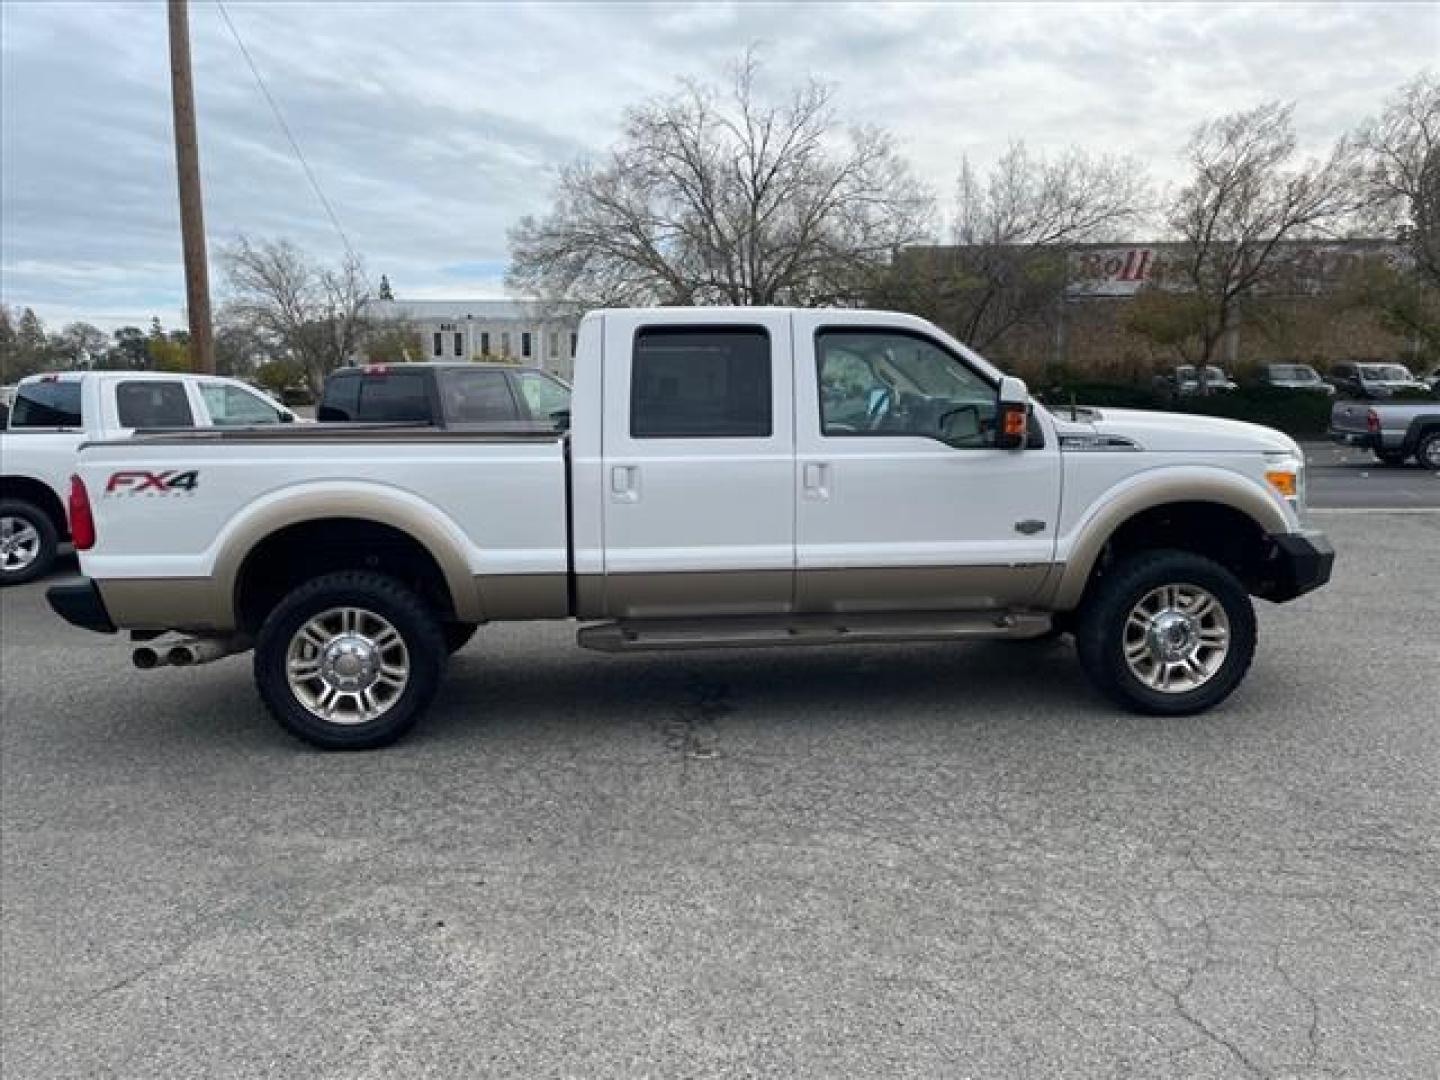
point(928, 860)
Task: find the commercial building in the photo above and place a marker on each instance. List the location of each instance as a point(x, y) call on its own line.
point(529, 332)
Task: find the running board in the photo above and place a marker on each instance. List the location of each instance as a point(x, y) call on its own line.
point(748, 631)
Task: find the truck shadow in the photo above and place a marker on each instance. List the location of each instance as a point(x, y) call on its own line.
point(981, 683)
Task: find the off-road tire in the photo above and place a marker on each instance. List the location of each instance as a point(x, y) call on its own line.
point(1100, 630)
point(418, 626)
point(37, 519)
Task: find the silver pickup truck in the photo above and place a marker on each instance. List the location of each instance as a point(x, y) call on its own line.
point(1394, 431)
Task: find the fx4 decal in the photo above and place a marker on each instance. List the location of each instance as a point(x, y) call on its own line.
point(142, 482)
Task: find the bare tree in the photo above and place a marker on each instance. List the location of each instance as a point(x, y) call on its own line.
point(1242, 201)
point(310, 313)
point(724, 198)
point(1013, 231)
point(80, 345)
point(1402, 169)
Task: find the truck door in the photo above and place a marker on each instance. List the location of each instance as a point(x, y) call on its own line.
point(903, 500)
point(698, 464)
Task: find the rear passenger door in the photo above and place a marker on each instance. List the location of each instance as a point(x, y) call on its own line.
point(698, 470)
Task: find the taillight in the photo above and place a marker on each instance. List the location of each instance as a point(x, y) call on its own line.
point(82, 522)
point(1372, 421)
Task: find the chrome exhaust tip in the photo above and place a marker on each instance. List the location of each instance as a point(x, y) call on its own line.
point(146, 658)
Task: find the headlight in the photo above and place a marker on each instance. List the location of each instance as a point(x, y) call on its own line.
point(1286, 474)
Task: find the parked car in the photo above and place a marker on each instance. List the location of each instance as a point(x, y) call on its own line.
point(1184, 380)
point(1294, 377)
point(54, 414)
point(1394, 431)
point(447, 395)
point(733, 477)
point(1432, 379)
point(1374, 380)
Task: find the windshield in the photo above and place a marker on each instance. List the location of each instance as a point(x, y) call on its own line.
point(1396, 373)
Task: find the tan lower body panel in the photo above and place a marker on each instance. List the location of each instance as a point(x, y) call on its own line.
point(773, 592)
point(919, 588)
point(523, 596)
point(168, 604)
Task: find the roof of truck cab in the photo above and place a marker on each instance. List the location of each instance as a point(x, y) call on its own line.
point(76, 376)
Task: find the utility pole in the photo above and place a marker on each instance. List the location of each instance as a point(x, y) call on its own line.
point(187, 166)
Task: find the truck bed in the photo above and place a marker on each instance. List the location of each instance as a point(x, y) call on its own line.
point(497, 492)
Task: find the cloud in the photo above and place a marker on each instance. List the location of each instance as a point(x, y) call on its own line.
point(432, 128)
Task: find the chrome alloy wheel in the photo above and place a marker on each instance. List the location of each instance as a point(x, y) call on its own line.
point(19, 544)
point(347, 665)
point(1176, 638)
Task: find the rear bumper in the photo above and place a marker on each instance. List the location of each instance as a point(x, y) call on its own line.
point(78, 602)
point(1299, 563)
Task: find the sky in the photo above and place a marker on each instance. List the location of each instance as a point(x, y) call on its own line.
point(433, 127)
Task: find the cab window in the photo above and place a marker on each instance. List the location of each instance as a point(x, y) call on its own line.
point(46, 404)
point(547, 399)
point(894, 383)
point(476, 396)
point(230, 406)
point(707, 383)
point(153, 403)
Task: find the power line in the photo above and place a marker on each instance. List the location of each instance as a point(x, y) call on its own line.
point(290, 137)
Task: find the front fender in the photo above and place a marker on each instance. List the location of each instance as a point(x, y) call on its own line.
point(1080, 549)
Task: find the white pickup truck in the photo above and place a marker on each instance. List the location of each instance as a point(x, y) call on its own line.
point(52, 415)
point(732, 477)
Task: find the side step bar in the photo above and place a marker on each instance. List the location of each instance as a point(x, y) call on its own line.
point(746, 631)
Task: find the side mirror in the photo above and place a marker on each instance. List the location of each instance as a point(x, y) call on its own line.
point(1013, 426)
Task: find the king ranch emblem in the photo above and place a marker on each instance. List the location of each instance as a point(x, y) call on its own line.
point(172, 482)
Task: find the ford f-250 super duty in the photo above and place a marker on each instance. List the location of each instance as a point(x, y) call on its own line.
point(732, 477)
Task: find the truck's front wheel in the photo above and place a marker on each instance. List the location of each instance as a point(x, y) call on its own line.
point(1167, 633)
point(349, 661)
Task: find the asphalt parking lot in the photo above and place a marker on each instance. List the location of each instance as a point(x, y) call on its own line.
point(920, 861)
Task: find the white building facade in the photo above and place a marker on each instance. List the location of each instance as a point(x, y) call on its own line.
point(529, 332)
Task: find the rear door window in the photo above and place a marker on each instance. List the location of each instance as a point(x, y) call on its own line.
point(394, 397)
point(697, 384)
point(476, 397)
point(48, 404)
point(153, 403)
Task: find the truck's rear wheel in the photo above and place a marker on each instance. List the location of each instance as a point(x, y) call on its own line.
point(28, 542)
point(349, 661)
point(1167, 633)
